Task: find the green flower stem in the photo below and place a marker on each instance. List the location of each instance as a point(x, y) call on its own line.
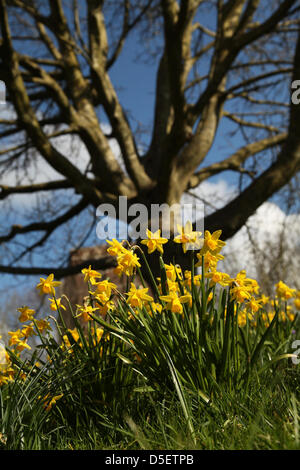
point(149, 271)
point(60, 314)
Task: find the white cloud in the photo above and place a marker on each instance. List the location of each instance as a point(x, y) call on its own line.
point(70, 146)
point(269, 245)
point(38, 170)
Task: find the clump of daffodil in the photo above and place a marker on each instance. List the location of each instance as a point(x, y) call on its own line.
point(154, 241)
point(46, 286)
point(128, 261)
point(175, 295)
point(189, 239)
point(102, 296)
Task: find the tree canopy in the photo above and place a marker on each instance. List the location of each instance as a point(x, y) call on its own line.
point(219, 65)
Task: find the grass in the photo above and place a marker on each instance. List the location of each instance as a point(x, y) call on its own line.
point(267, 417)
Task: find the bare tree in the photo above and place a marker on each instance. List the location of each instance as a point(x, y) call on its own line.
point(56, 57)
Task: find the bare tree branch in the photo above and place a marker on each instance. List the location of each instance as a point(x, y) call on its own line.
point(235, 161)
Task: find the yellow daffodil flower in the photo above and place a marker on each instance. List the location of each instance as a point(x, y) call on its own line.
point(212, 242)
point(104, 288)
point(43, 325)
point(188, 279)
point(15, 337)
point(85, 311)
point(56, 303)
point(187, 237)
point(26, 314)
point(174, 302)
point(239, 293)
point(127, 263)
point(253, 305)
point(116, 247)
point(104, 306)
point(154, 241)
point(210, 260)
point(137, 297)
point(297, 301)
point(22, 345)
point(46, 286)
point(283, 291)
point(217, 277)
point(90, 275)
point(173, 271)
point(28, 331)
